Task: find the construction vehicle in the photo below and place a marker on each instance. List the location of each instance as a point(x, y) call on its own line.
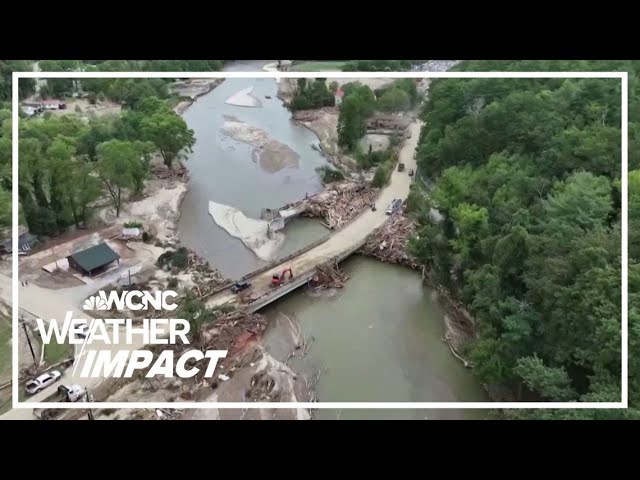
point(278, 280)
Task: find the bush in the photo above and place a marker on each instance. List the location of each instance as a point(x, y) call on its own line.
point(146, 237)
point(92, 97)
point(383, 172)
point(133, 225)
point(417, 202)
point(174, 259)
point(329, 174)
point(173, 282)
point(368, 160)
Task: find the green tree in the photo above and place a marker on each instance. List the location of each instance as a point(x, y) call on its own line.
point(170, 134)
point(118, 165)
point(394, 100)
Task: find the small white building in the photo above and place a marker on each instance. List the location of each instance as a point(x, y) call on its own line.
point(53, 105)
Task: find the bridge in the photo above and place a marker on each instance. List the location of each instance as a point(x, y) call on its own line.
point(336, 246)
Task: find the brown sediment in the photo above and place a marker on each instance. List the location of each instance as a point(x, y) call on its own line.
point(271, 155)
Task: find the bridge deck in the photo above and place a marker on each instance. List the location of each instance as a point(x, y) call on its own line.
point(338, 246)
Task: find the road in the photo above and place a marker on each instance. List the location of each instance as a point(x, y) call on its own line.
point(352, 235)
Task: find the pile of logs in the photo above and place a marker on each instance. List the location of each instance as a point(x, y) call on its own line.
point(311, 115)
point(228, 331)
point(341, 207)
point(179, 171)
point(388, 243)
point(329, 275)
point(205, 278)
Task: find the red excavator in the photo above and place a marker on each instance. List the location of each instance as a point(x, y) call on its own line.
point(277, 280)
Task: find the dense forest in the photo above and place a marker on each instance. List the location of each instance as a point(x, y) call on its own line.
point(526, 174)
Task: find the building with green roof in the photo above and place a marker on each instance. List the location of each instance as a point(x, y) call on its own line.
point(93, 260)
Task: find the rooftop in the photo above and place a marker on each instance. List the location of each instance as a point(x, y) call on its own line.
point(94, 257)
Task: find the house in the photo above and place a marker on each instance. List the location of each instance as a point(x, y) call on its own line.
point(26, 241)
point(93, 260)
point(338, 96)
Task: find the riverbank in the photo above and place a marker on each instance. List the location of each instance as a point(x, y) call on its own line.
point(193, 89)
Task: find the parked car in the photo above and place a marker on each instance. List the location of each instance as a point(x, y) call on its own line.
point(392, 206)
point(43, 381)
point(240, 286)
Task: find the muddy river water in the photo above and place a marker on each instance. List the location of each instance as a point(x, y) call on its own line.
point(379, 338)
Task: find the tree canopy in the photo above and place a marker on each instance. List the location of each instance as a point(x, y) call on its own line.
point(526, 174)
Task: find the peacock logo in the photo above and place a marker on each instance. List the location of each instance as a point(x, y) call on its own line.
point(95, 302)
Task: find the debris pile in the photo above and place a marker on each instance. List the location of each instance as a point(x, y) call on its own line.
point(311, 115)
point(233, 331)
point(329, 276)
point(162, 172)
point(341, 203)
point(206, 279)
point(388, 243)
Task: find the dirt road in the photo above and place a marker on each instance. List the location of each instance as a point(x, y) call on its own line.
point(46, 304)
point(353, 234)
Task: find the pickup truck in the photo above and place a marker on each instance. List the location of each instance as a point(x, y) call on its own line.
point(71, 393)
point(43, 381)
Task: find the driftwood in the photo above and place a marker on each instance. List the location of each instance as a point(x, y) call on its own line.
point(466, 363)
point(388, 243)
point(179, 171)
point(338, 205)
point(329, 276)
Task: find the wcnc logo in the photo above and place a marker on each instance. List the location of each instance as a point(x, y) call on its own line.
point(133, 300)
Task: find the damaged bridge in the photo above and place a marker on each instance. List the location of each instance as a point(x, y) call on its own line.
point(335, 247)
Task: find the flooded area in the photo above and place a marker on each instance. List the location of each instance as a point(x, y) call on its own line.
point(235, 163)
point(377, 339)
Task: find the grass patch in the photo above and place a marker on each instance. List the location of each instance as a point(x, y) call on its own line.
point(5, 349)
point(56, 352)
point(329, 66)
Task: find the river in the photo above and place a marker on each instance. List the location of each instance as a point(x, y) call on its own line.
point(222, 170)
point(379, 337)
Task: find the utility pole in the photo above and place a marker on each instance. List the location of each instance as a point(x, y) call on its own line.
point(24, 326)
point(89, 398)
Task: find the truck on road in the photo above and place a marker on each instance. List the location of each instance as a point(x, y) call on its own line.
point(64, 393)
